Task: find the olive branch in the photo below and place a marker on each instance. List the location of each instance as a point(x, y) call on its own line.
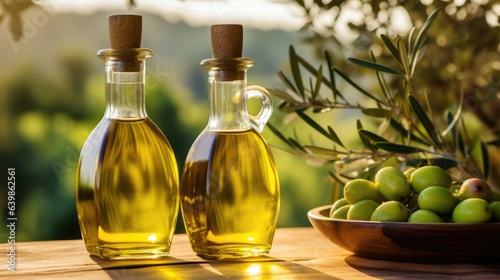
point(409, 134)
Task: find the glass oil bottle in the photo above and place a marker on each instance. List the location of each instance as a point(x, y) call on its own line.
point(229, 186)
point(127, 182)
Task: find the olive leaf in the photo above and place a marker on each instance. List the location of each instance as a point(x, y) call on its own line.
point(294, 64)
point(405, 133)
point(394, 51)
point(398, 148)
point(322, 151)
point(371, 136)
point(336, 178)
point(286, 81)
point(278, 133)
point(365, 140)
point(424, 120)
point(331, 72)
point(403, 57)
point(445, 163)
point(296, 144)
point(486, 159)
point(419, 41)
point(374, 66)
point(313, 124)
point(334, 136)
point(383, 83)
point(319, 79)
point(462, 147)
point(376, 112)
point(360, 89)
point(452, 121)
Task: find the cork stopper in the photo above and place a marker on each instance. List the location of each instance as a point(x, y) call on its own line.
point(227, 40)
point(125, 31)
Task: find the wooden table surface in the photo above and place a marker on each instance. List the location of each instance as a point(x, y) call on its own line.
point(297, 253)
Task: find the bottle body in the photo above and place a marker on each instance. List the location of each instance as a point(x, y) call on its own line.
point(230, 195)
point(230, 186)
point(127, 178)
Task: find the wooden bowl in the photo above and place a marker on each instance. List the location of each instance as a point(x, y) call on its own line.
point(411, 242)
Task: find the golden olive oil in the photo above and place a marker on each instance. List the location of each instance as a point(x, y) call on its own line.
point(230, 194)
point(127, 190)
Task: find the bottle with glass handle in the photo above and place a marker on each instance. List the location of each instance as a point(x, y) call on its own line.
point(229, 186)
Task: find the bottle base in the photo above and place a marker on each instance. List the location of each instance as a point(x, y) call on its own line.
point(232, 251)
point(124, 251)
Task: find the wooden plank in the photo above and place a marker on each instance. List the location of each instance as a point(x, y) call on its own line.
point(296, 253)
point(47, 256)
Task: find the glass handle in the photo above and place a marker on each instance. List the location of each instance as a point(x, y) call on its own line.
point(259, 121)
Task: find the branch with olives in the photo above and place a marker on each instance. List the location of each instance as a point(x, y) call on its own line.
point(408, 133)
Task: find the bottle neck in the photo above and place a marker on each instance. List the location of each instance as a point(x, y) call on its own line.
point(125, 83)
point(227, 82)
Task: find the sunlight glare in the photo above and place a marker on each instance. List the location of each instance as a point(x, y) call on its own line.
point(152, 237)
point(254, 269)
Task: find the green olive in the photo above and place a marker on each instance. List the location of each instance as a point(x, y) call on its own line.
point(428, 176)
point(337, 204)
point(361, 189)
point(392, 183)
point(362, 210)
point(390, 211)
point(341, 213)
point(472, 210)
point(439, 200)
point(424, 216)
point(408, 172)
